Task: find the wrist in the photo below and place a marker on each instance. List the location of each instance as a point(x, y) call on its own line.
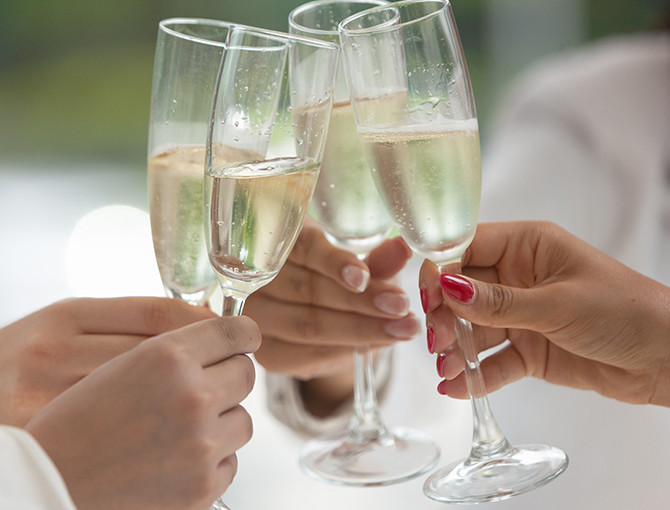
point(322, 396)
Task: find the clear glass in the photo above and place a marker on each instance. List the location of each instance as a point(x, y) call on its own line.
point(353, 217)
point(416, 119)
point(269, 122)
point(187, 61)
point(186, 65)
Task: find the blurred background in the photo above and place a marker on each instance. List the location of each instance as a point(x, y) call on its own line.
point(75, 82)
point(75, 75)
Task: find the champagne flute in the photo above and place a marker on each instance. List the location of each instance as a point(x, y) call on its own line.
point(354, 218)
point(264, 150)
point(416, 118)
point(187, 61)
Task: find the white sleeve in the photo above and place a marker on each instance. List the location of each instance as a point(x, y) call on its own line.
point(541, 166)
point(285, 403)
point(546, 160)
point(29, 480)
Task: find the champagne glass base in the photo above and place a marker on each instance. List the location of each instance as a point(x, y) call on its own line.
point(401, 455)
point(521, 470)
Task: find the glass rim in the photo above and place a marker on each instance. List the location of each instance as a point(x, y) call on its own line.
point(166, 24)
point(272, 34)
point(318, 3)
point(284, 37)
point(386, 26)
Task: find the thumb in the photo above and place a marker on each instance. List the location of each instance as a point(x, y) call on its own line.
point(492, 304)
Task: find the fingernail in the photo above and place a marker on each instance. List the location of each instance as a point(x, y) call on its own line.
point(424, 299)
point(440, 388)
point(392, 302)
point(430, 333)
point(406, 327)
point(457, 287)
point(440, 363)
point(356, 277)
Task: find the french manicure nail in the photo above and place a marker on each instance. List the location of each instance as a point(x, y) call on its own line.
point(424, 299)
point(457, 287)
point(392, 302)
point(356, 277)
point(406, 327)
point(430, 333)
point(440, 364)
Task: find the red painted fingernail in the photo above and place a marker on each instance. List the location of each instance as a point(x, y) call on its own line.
point(440, 388)
point(424, 299)
point(430, 333)
point(457, 287)
point(440, 363)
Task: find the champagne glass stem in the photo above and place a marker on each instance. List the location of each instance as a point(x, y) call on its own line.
point(488, 440)
point(233, 303)
point(366, 422)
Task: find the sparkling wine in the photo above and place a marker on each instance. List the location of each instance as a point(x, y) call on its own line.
point(346, 201)
point(429, 176)
point(256, 211)
point(175, 182)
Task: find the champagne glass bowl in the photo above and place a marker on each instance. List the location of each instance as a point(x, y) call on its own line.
point(187, 60)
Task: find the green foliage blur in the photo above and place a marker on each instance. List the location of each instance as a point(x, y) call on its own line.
point(75, 75)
